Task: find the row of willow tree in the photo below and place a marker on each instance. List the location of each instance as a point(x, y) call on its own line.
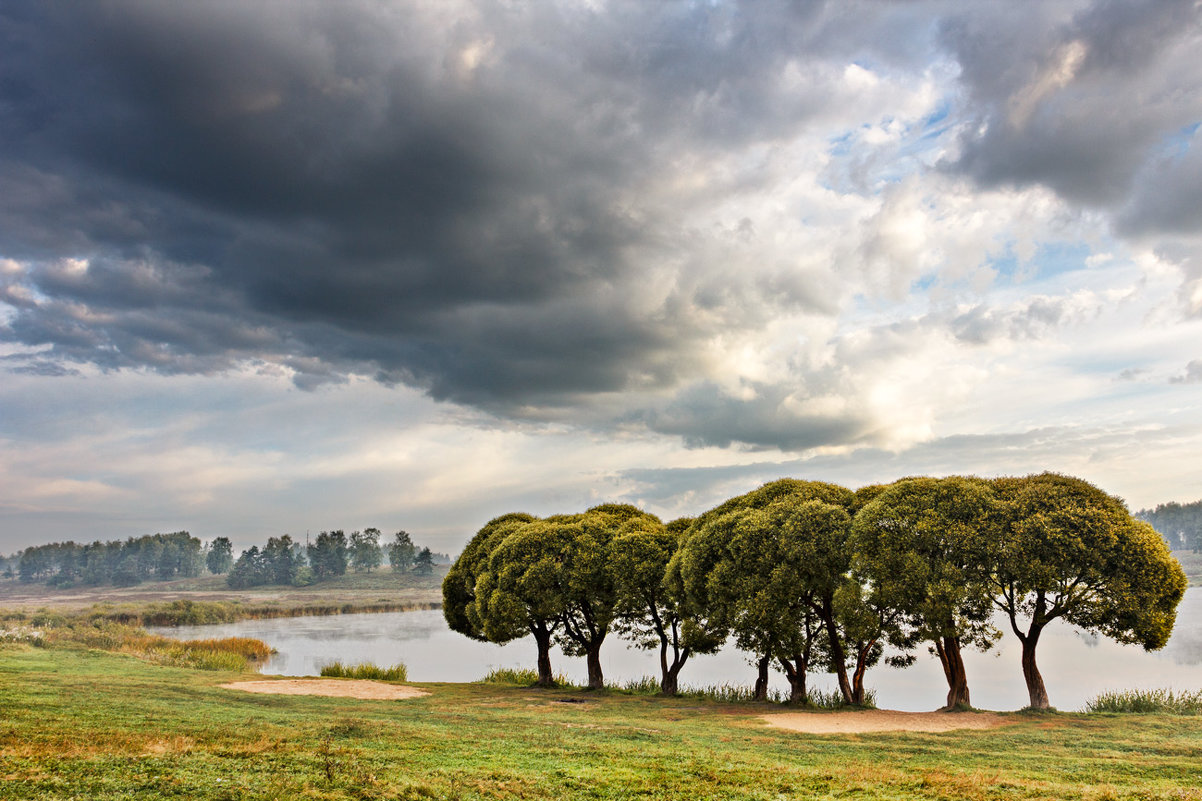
point(813, 577)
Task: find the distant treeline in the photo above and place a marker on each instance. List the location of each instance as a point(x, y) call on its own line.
point(122, 564)
point(1179, 523)
point(283, 561)
point(161, 557)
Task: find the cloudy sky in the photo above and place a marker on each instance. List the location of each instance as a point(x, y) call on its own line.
point(274, 267)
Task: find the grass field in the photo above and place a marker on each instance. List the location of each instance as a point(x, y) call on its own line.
point(80, 723)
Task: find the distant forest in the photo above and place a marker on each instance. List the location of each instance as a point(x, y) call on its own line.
point(1179, 523)
point(162, 557)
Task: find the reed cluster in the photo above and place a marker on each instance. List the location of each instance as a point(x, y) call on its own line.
point(365, 670)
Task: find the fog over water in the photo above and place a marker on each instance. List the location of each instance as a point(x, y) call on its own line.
point(1076, 666)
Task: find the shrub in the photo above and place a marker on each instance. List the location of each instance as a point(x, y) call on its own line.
point(1147, 701)
point(731, 693)
point(365, 670)
point(646, 685)
point(520, 677)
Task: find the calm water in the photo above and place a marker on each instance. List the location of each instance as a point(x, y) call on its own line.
point(1075, 666)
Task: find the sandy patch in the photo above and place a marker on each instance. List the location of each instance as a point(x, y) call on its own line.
point(876, 720)
point(334, 688)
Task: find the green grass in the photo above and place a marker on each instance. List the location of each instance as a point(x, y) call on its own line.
point(1145, 701)
point(365, 670)
point(84, 723)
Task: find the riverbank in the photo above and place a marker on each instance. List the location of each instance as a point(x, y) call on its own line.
point(208, 600)
point(71, 730)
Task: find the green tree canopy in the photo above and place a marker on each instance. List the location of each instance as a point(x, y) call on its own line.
point(364, 550)
point(589, 582)
point(220, 557)
point(766, 566)
point(401, 552)
point(328, 555)
point(1066, 549)
point(521, 588)
point(423, 563)
point(920, 549)
point(652, 614)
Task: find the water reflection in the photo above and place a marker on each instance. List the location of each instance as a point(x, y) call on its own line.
point(1076, 665)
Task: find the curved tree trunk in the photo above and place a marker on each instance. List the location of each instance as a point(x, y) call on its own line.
point(948, 649)
point(795, 672)
point(542, 637)
point(761, 678)
point(596, 681)
point(1035, 689)
point(668, 684)
point(857, 678)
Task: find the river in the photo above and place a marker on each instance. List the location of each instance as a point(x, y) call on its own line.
point(1076, 666)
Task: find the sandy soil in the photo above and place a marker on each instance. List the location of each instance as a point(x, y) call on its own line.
point(335, 688)
point(878, 720)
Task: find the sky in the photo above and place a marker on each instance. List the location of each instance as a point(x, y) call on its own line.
point(285, 267)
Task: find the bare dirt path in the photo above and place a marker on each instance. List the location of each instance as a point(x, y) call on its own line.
point(881, 720)
point(334, 688)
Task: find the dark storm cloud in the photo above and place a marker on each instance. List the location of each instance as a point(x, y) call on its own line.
point(340, 182)
point(467, 199)
point(1079, 98)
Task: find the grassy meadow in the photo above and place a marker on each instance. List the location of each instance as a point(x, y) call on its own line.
point(80, 722)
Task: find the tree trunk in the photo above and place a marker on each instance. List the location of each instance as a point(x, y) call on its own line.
point(795, 672)
point(668, 684)
point(543, 638)
point(857, 678)
point(595, 680)
point(761, 678)
point(838, 655)
point(1035, 689)
point(948, 649)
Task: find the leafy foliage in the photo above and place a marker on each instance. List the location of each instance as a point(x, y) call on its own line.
point(920, 550)
point(401, 552)
point(328, 555)
point(1065, 549)
point(137, 559)
point(220, 556)
point(1179, 523)
point(364, 550)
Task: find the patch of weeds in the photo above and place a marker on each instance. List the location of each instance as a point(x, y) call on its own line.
point(1147, 702)
point(521, 677)
point(365, 670)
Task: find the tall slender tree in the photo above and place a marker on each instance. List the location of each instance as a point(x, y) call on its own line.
point(364, 550)
point(220, 557)
point(401, 552)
